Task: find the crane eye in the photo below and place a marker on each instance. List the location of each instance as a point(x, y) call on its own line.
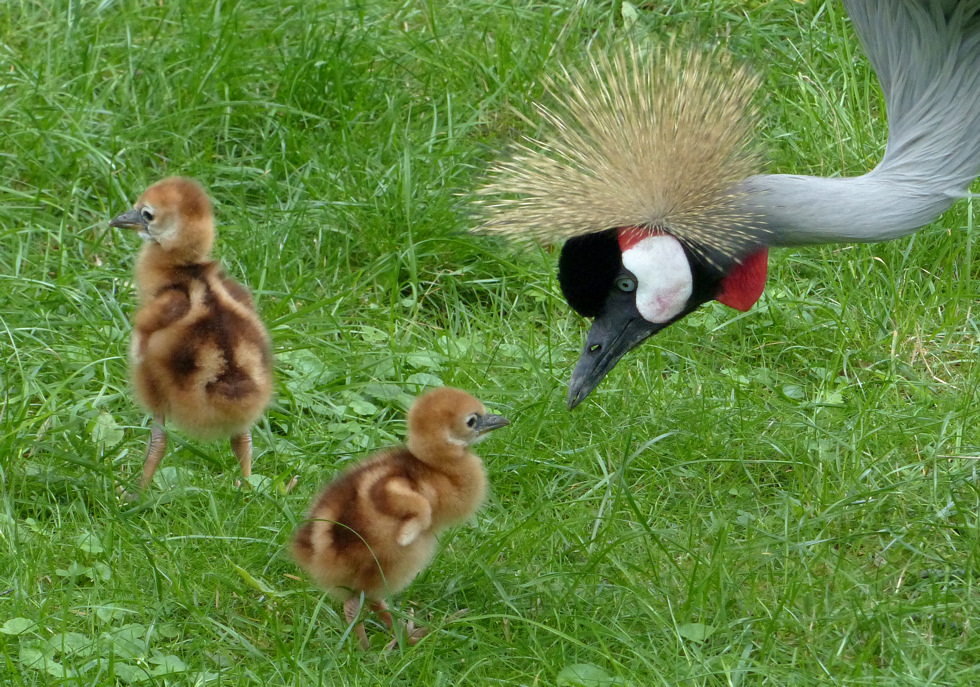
point(471, 421)
point(147, 214)
point(626, 284)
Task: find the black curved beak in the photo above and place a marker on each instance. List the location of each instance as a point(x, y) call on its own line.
point(490, 422)
point(129, 220)
point(619, 328)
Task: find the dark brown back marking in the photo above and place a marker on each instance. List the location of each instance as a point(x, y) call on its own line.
point(223, 328)
point(303, 543)
point(348, 532)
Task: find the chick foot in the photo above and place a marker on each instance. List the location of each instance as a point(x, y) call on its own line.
point(412, 634)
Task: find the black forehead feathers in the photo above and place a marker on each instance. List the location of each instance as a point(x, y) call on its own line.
point(587, 267)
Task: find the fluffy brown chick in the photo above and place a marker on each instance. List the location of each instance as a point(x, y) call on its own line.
point(373, 529)
point(199, 353)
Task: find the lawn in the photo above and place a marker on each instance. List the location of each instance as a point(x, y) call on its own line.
point(785, 497)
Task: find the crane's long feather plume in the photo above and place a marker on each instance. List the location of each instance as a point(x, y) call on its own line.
point(655, 142)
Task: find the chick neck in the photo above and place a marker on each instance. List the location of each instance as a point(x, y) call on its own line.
point(158, 262)
point(465, 480)
point(444, 454)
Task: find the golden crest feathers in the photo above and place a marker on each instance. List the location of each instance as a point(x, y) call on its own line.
point(658, 142)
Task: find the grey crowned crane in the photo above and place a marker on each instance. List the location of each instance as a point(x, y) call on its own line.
point(649, 174)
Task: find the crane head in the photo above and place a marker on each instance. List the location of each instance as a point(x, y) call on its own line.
point(635, 282)
point(640, 170)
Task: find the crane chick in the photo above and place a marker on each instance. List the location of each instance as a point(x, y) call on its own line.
point(373, 529)
point(199, 353)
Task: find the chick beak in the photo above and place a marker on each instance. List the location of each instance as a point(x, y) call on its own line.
point(129, 220)
point(619, 328)
point(490, 422)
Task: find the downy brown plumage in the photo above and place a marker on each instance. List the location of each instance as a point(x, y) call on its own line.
point(373, 529)
point(199, 353)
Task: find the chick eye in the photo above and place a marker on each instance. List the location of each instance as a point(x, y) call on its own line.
point(471, 421)
point(147, 214)
point(626, 284)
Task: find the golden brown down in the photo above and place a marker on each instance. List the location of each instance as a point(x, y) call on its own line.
point(199, 354)
point(373, 529)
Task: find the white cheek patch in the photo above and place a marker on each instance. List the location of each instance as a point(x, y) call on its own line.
point(453, 440)
point(663, 277)
point(164, 233)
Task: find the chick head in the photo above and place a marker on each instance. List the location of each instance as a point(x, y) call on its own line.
point(176, 214)
point(448, 418)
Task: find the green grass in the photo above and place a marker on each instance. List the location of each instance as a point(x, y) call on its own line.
point(784, 497)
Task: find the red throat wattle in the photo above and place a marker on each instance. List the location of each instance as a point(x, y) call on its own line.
point(740, 289)
point(743, 286)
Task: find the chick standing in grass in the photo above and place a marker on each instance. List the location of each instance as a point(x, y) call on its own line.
point(373, 529)
point(199, 354)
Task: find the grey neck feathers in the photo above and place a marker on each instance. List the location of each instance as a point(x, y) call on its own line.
point(926, 54)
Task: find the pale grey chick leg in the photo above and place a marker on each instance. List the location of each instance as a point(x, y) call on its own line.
point(352, 608)
point(154, 450)
point(241, 445)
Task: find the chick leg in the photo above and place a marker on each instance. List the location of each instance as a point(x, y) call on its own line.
point(241, 445)
point(351, 609)
point(154, 450)
point(381, 608)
